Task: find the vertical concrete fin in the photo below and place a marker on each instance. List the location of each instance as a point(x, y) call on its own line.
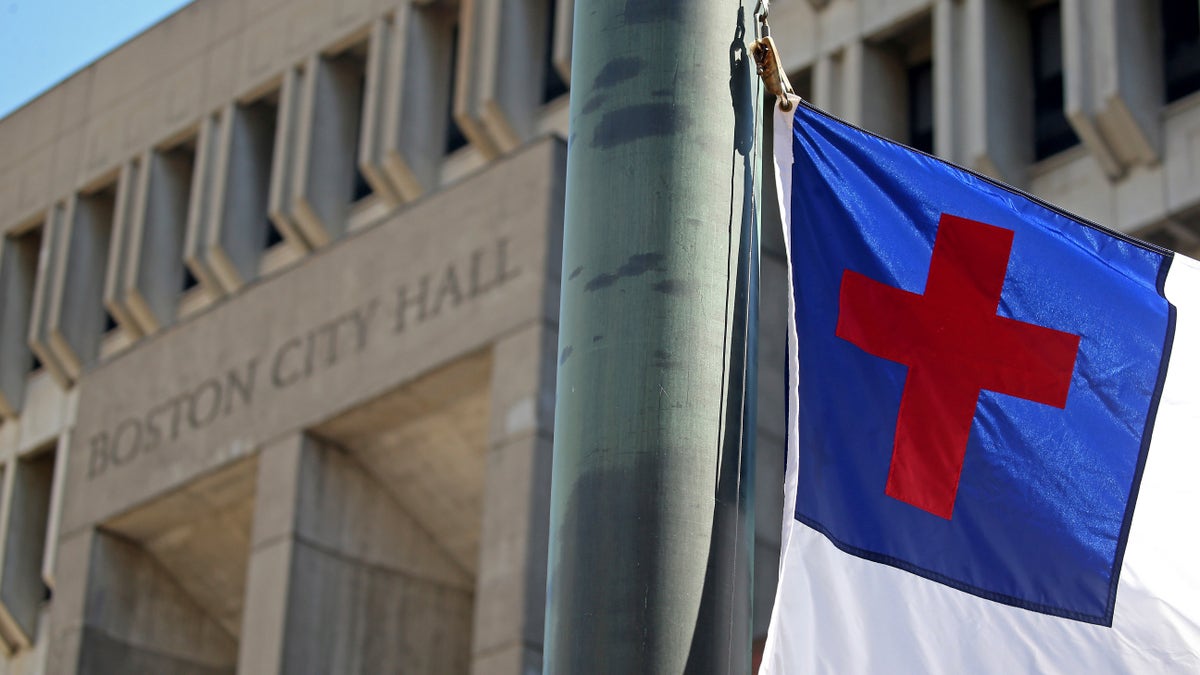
point(999, 139)
point(501, 72)
point(47, 290)
point(564, 18)
point(127, 223)
point(377, 107)
point(287, 157)
point(19, 253)
point(325, 158)
point(950, 99)
point(206, 196)
point(416, 125)
point(28, 487)
point(237, 232)
point(155, 276)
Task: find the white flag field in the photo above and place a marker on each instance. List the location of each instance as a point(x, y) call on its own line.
point(994, 425)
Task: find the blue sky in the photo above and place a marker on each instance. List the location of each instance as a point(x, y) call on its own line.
point(42, 42)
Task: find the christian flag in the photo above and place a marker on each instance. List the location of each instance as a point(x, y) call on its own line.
point(994, 441)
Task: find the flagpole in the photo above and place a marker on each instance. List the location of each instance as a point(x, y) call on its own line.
point(651, 532)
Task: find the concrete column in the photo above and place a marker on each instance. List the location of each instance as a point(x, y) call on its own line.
point(511, 592)
point(341, 580)
point(117, 610)
point(1112, 66)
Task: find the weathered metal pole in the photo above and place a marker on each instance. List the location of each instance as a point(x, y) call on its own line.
point(651, 517)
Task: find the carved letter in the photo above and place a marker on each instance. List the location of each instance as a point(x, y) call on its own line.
point(198, 421)
point(448, 287)
point(124, 453)
point(503, 271)
point(242, 387)
point(98, 460)
point(404, 301)
point(361, 319)
point(277, 377)
point(476, 287)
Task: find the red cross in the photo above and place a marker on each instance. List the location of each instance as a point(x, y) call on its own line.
point(954, 346)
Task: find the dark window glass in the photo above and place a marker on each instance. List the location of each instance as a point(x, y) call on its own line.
point(1181, 47)
point(920, 106)
point(553, 85)
point(455, 138)
point(264, 115)
point(110, 324)
point(29, 247)
point(189, 279)
point(362, 188)
point(273, 236)
point(1051, 131)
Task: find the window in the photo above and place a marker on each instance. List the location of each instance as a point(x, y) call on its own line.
point(92, 235)
point(553, 85)
point(1051, 131)
point(455, 139)
point(1181, 47)
point(28, 246)
point(362, 188)
point(920, 106)
point(897, 83)
point(356, 65)
point(22, 588)
point(189, 280)
point(171, 176)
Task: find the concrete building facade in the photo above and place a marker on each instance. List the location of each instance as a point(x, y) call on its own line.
point(279, 295)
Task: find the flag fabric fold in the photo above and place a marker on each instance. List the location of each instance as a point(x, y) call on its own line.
point(994, 425)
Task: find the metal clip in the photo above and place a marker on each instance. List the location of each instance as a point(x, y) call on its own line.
point(770, 69)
